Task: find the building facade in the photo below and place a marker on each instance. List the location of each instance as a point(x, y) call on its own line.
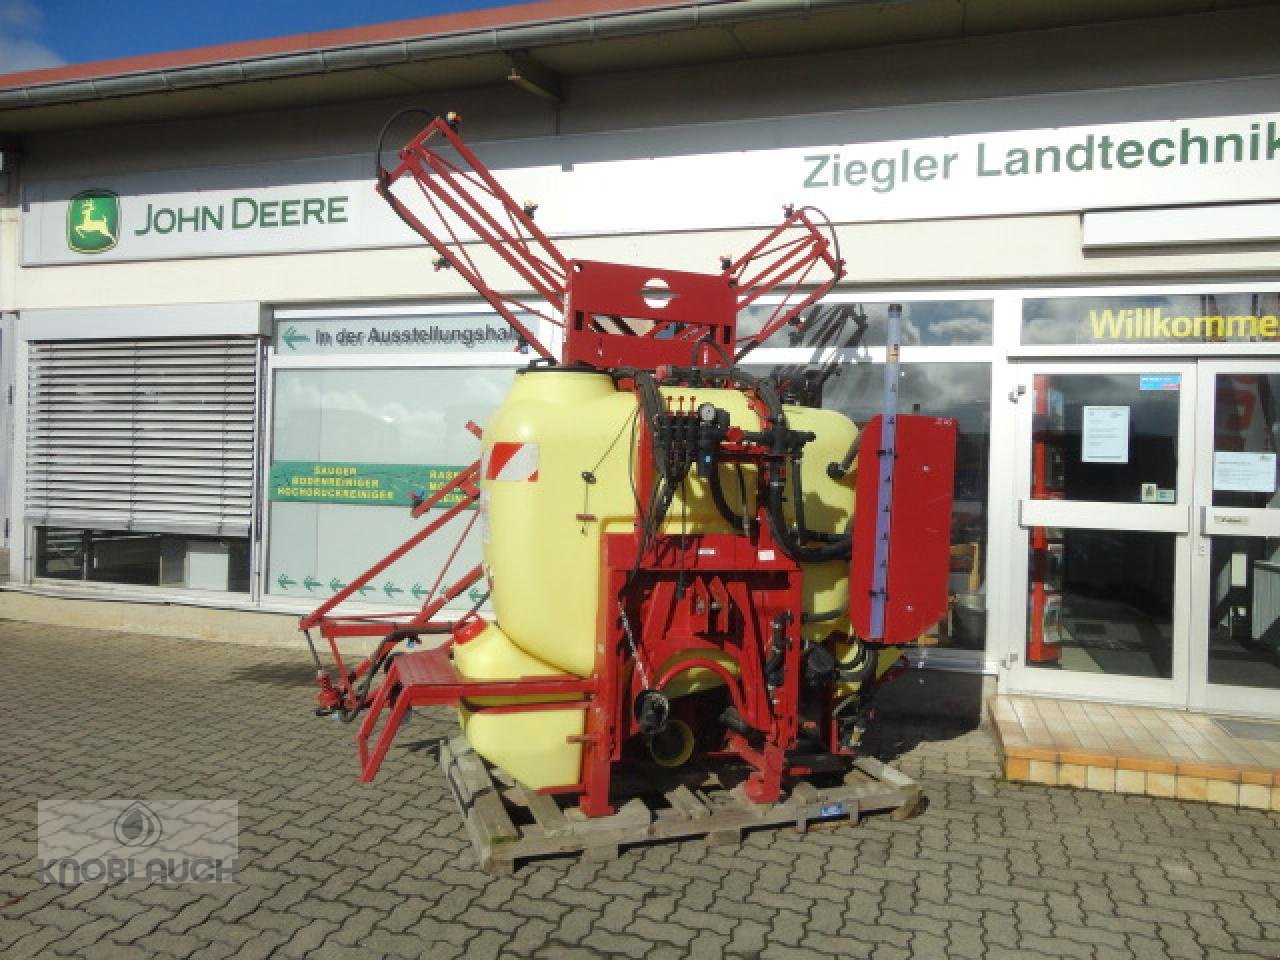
point(231, 366)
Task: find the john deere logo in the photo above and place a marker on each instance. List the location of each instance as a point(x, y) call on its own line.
point(93, 221)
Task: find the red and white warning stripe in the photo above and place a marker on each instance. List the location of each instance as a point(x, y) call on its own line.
point(511, 461)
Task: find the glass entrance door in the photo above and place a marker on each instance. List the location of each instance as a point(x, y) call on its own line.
point(1103, 463)
point(1235, 657)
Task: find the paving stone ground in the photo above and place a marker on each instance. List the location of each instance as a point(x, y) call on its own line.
point(331, 868)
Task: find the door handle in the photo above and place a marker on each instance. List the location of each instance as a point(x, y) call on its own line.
point(1216, 520)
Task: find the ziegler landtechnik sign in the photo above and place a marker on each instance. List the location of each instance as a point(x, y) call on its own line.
point(710, 182)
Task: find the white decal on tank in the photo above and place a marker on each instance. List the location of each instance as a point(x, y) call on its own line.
point(512, 461)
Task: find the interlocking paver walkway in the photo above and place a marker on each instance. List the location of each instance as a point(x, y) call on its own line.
point(331, 868)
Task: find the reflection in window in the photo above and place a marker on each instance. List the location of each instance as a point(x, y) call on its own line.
point(940, 323)
point(143, 559)
point(368, 417)
point(1101, 601)
point(1244, 615)
point(1246, 437)
point(1105, 437)
point(962, 391)
point(1155, 318)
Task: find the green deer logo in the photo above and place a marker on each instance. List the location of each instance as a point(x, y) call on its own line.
point(93, 221)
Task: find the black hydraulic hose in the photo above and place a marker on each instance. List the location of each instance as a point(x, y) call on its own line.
point(651, 407)
point(840, 543)
point(833, 546)
point(822, 616)
point(861, 673)
point(797, 497)
point(650, 399)
point(822, 536)
point(386, 128)
point(710, 339)
point(774, 662)
point(381, 172)
point(829, 546)
point(738, 521)
point(837, 471)
point(768, 394)
point(791, 545)
point(394, 637)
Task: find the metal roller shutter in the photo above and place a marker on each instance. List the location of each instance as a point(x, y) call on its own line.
point(146, 435)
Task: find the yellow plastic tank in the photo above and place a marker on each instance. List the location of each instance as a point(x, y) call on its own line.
point(543, 562)
point(544, 521)
point(531, 745)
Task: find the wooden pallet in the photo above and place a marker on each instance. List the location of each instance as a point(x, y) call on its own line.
point(509, 824)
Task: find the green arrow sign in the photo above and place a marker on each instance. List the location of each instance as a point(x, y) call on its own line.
point(365, 589)
point(292, 336)
point(419, 591)
point(285, 582)
point(310, 582)
point(474, 594)
point(389, 588)
point(335, 584)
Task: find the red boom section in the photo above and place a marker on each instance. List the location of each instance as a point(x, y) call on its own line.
point(796, 258)
point(347, 695)
point(462, 201)
point(615, 315)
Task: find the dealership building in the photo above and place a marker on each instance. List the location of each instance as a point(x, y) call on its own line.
point(230, 366)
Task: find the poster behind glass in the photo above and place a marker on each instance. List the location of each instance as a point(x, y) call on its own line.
point(350, 449)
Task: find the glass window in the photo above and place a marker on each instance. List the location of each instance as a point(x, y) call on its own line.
point(143, 559)
point(350, 449)
point(1244, 617)
point(1105, 437)
point(926, 323)
point(1246, 437)
point(1101, 601)
point(1156, 318)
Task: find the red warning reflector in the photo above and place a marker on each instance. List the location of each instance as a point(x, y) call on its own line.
point(469, 628)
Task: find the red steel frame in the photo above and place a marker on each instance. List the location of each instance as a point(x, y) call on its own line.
point(613, 316)
point(759, 591)
point(464, 202)
point(393, 627)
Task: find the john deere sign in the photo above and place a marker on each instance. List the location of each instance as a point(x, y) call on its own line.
point(94, 217)
point(298, 207)
point(93, 221)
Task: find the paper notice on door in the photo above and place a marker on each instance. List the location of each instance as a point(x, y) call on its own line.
point(1244, 472)
point(1105, 435)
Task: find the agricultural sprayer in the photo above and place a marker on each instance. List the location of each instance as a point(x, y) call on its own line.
point(675, 566)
